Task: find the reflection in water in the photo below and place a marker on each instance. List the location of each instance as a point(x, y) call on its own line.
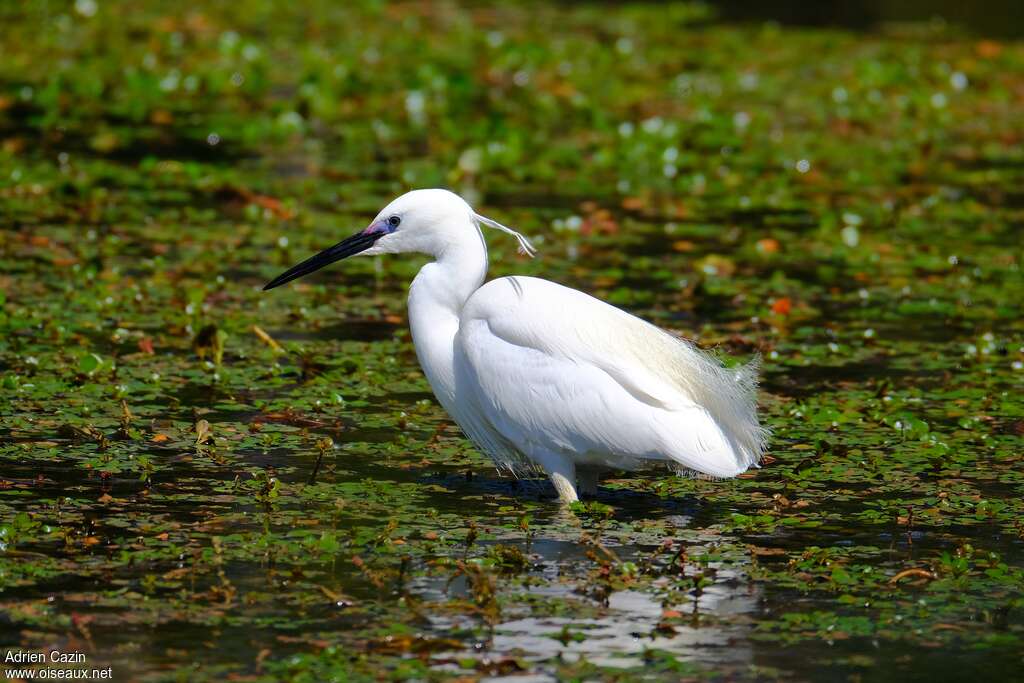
point(712, 630)
point(628, 627)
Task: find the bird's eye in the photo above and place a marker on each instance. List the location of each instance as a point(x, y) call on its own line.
point(394, 221)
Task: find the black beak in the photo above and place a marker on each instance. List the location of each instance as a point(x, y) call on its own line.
point(361, 241)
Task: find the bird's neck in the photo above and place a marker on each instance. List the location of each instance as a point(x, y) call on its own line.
point(436, 298)
point(444, 285)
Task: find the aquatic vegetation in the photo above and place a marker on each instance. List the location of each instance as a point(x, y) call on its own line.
point(199, 481)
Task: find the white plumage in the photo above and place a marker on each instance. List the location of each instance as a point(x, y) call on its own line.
point(542, 376)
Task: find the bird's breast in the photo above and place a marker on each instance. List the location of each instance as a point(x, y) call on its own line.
point(433, 335)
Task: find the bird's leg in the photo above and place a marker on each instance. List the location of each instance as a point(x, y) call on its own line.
point(566, 491)
point(586, 479)
point(562, 473)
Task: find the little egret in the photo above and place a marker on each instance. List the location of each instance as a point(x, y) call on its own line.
point(542, 376)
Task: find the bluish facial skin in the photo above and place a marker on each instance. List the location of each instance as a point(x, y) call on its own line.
point(384, 226)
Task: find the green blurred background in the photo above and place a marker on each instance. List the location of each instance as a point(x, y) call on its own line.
point(201, 481)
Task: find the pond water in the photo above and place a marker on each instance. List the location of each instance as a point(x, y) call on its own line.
point(200, 481)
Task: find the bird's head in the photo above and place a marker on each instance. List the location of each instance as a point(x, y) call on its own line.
point(421, 221)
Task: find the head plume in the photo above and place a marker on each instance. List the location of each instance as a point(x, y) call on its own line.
point(524, 244)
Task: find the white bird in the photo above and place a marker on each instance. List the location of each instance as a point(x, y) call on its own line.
point(540, 376)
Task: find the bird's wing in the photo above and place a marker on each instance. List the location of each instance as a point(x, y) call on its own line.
point(552, 364)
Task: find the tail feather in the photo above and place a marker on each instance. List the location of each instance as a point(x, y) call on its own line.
point(730, 397)
point(674, 373)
